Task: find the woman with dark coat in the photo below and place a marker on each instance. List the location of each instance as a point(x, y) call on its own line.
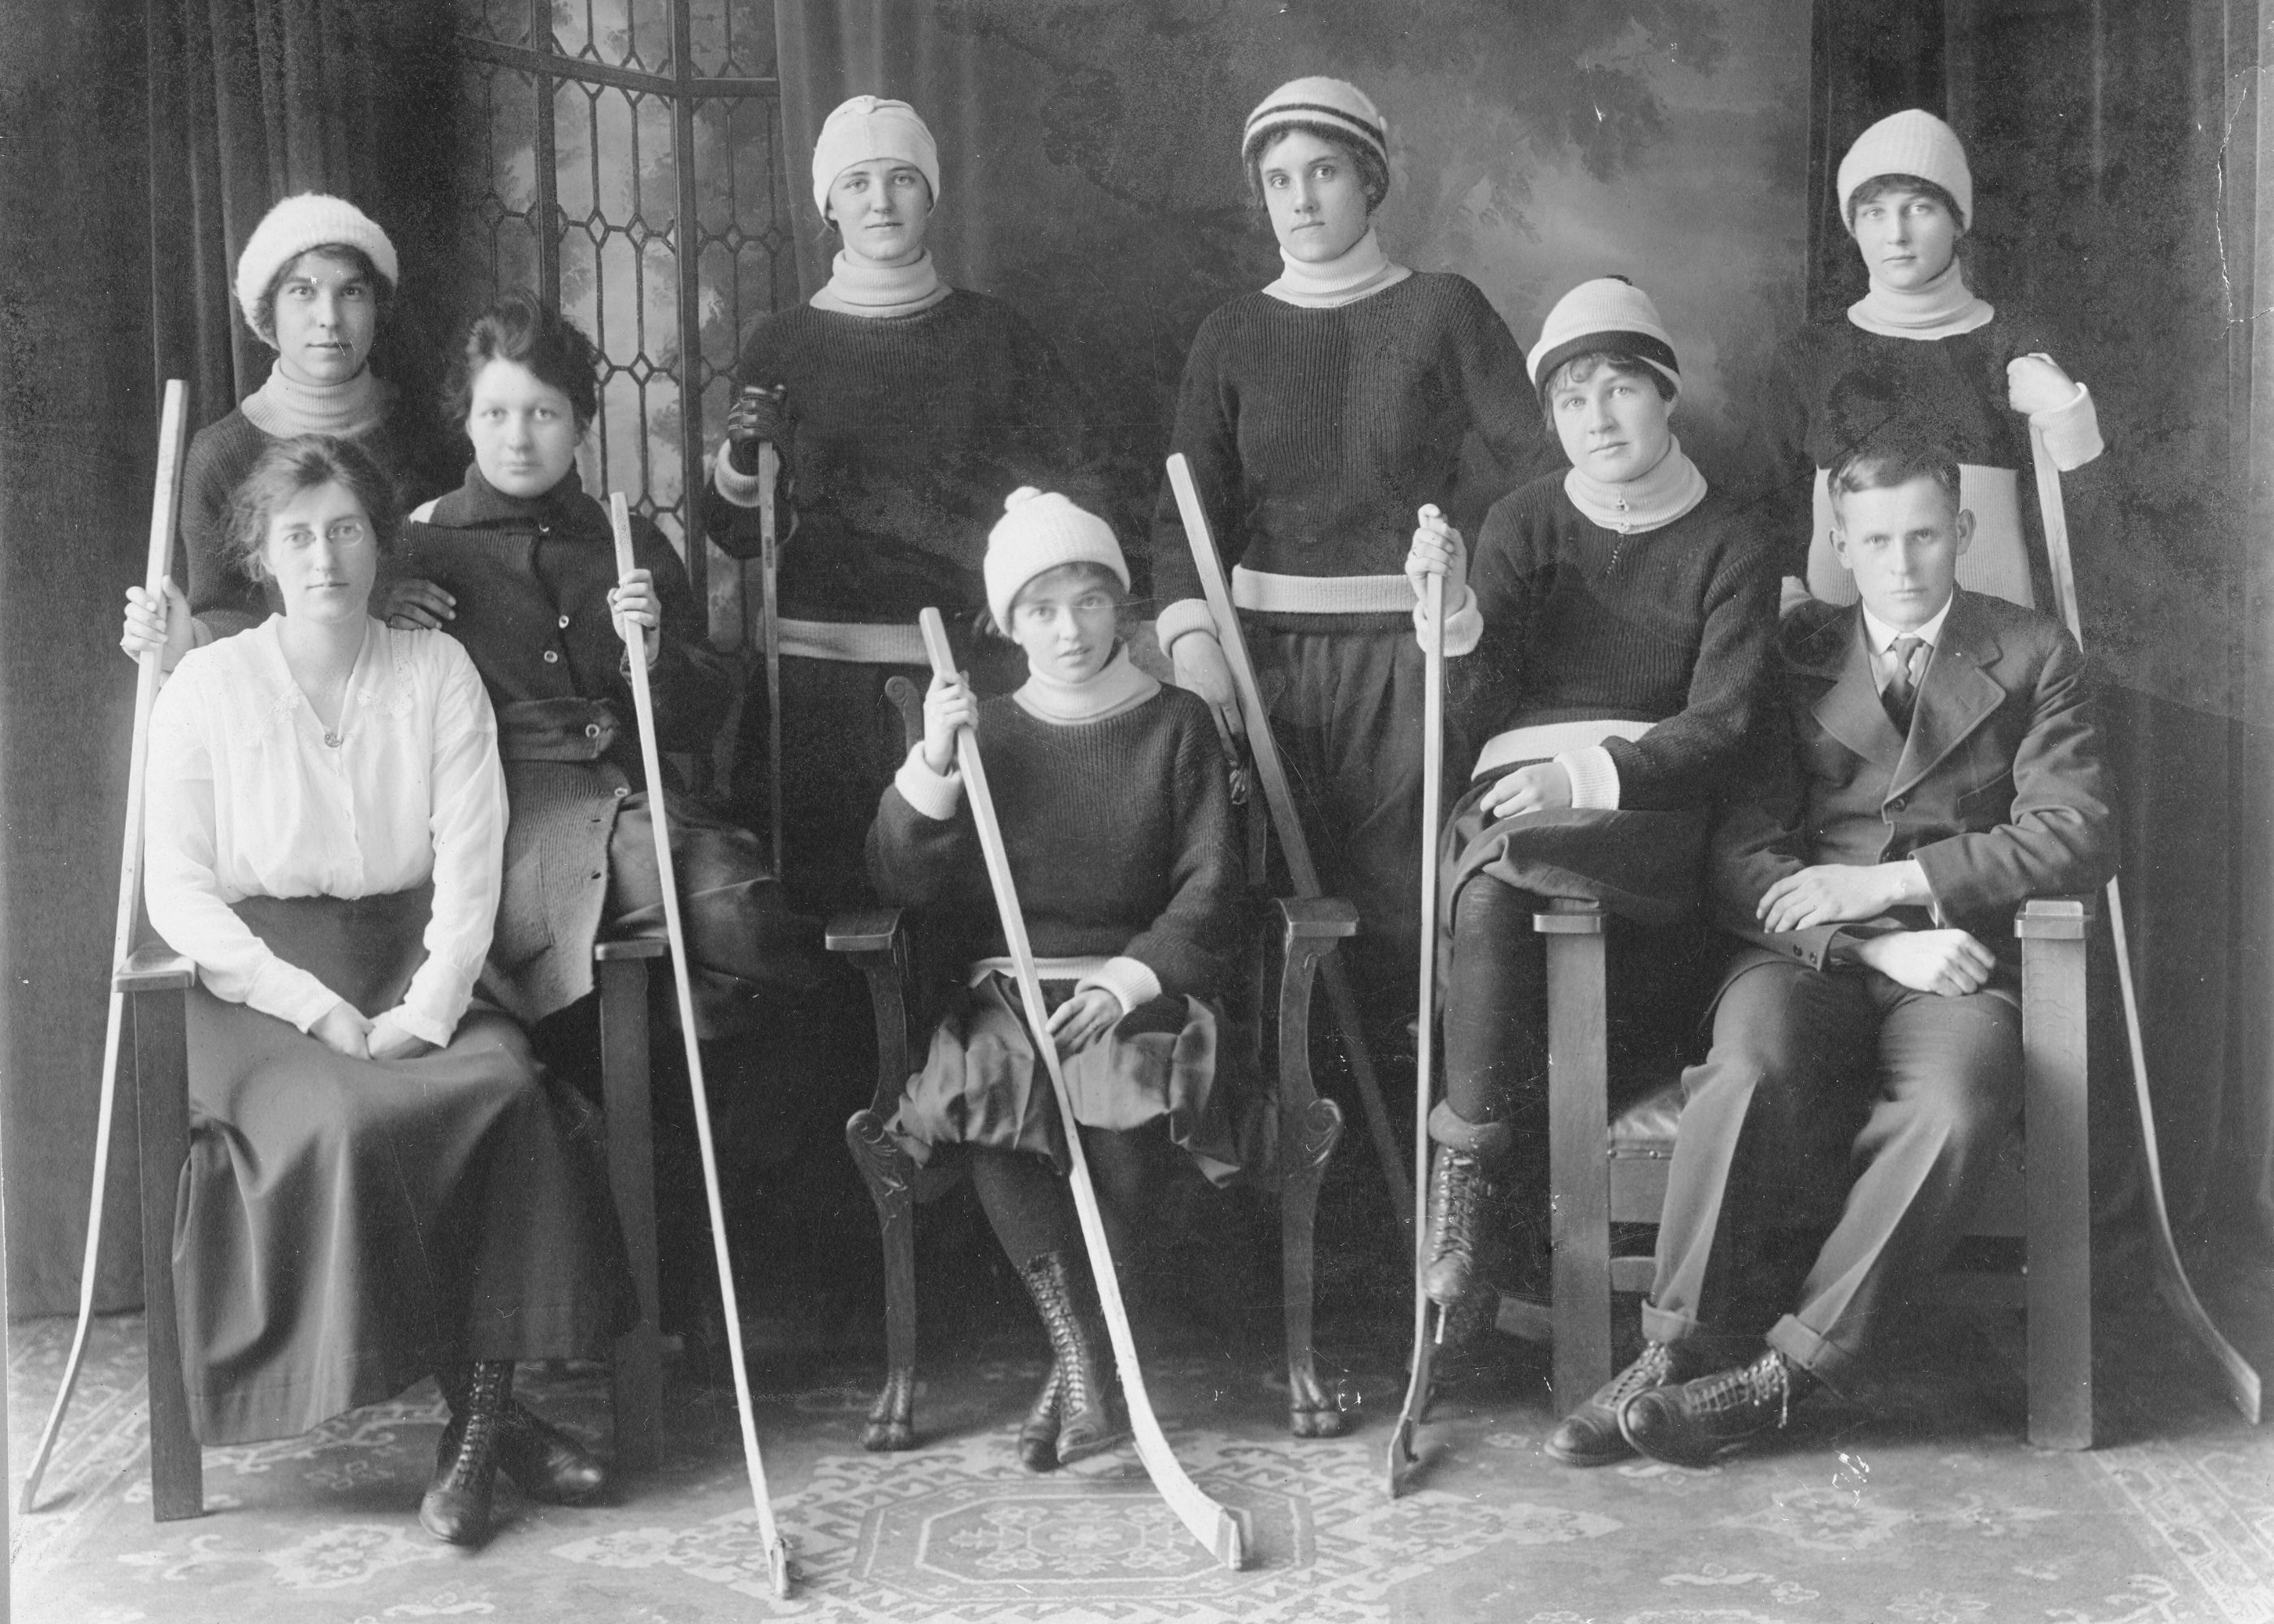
point(382, 1182)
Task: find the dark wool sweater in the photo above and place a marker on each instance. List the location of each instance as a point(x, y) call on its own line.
point(1315, 435)
point(1120, 838)
point(908, 431)
point(1674, 625)
point(531, 580)
point(1843, 385)
point(220, 454)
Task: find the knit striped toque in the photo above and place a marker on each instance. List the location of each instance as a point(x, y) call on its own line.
point(312, 220)
point(1334, 103)
point(1040, 530)
point(1609, 315)
point(1913, 142)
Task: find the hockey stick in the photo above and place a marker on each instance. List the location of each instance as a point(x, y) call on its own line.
point(1214, 1526)
point(1402, 1458)
point(770, 637)
point(2242, 1382)
point(173, 436)
point(1279, 798)
point(651, 762)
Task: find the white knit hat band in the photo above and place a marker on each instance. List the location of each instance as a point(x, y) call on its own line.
point(867, 127)
point(1334, 103)
point(297, 224)
point(1039, 531)
point(1913, 142)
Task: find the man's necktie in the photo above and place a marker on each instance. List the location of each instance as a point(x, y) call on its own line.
point(1901, 692)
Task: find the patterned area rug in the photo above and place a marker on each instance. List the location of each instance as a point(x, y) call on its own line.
point(1925, 1509)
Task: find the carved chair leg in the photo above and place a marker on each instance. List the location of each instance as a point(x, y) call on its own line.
point(1305, 1143)
point(890, 1175)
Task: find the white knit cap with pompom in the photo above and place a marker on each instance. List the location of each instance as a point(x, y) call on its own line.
point(1040, 530)
point(1914, 142)
point(1609, 316)
point(312, 220)
point(871, 127)
point(1337, 104)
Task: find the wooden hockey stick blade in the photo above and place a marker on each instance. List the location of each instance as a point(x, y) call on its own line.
point(165, 500)
point(1216, 1527)
point(1279, 800)
point(1403, 1458)
point(2243, 1385)
point(651, 762)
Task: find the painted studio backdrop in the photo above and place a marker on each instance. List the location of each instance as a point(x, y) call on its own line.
point(644, 162)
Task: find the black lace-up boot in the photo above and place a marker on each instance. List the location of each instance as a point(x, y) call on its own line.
point(545, 1463)
point(1463, 1197)
point(457, 1508)
point(1038, 1434)
point(1590, 1435)
point(1085, 1412)
point(1700, 1421)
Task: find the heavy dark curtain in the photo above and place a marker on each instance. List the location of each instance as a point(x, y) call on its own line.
point(142, 143)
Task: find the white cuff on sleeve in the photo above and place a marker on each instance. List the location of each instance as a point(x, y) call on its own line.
point(1186, 614)
point(2072, 430)
point(289, 993)
point(743, 490)
point(1465, 624)
point(421, 1026)
point(1130, 979)
point(934, 794)
point(1595, 779)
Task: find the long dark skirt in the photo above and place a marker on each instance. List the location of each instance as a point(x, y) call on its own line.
point(346, 1227)
point(1165, 1062)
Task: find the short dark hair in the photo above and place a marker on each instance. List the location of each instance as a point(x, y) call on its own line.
point(1879, 186)
point(1892, 459)
point(1373, 170)
point(1580, 368)
point(306, 463)
point(382, 291)
point(520, 327)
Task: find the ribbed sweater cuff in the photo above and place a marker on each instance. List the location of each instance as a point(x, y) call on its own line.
point(1186, 614)
point(1130, 979)
point(1465, 626)
point(1595, 779)
point(2072, 430)
point(743, 490)
point(934, 794)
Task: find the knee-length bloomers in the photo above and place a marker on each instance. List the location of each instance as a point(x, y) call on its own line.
point(348, 1226)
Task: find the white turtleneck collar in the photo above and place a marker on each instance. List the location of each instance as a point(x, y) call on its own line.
point(1944, 308)
point(877, 290)
point(283, 407)
point(1359, 270)
point(1649, 501)
point(1119, 686)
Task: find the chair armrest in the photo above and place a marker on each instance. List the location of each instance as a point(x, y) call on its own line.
point(1317, 918)
point(630, 947)
point(2055, 918)
point(154, 967)
point(863, 930)
point(1571, 916)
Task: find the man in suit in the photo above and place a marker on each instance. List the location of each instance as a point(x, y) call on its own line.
point(1933, 765)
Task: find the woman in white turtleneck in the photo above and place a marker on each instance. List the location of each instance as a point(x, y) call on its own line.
point(1319, 415)
point(1921, 349)
point(314, 284)
point(1615, 630)
point(905, 411)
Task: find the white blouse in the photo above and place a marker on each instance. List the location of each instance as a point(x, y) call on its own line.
point(246, 799)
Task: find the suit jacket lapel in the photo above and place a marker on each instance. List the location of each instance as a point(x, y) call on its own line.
point(1954, 697)
point(1849, 710)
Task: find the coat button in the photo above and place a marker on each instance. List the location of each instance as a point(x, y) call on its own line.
point(591, 730)
point(622, 792)
point(564, 622)
point(553, 657)
point(1899, 803)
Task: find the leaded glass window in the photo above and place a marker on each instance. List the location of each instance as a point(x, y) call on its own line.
point(621, 157)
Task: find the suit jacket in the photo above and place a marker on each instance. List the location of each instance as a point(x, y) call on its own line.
point(1998, 791)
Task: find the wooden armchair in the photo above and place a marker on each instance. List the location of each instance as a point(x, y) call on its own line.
point(2041, 1199)
point(1293, 937)
point(157, 980)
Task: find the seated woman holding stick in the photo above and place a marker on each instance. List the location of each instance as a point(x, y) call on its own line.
point(383, 1184)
